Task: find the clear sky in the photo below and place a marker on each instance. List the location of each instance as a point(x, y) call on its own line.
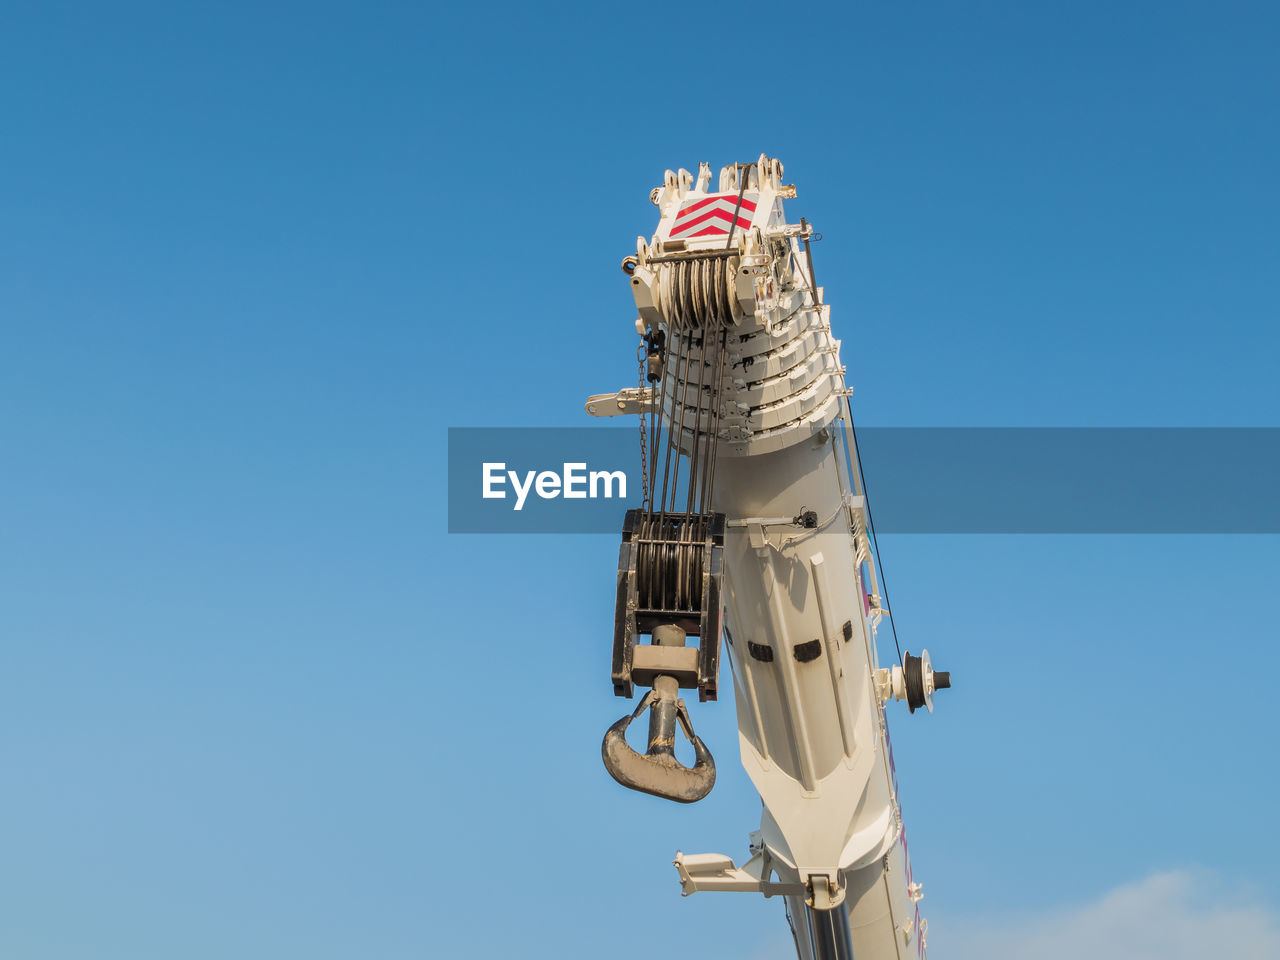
point(255, 702)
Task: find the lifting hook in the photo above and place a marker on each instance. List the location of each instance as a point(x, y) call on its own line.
point(657, 771)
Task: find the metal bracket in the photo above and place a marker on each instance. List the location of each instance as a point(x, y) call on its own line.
point(715, 871)
point(628, 400)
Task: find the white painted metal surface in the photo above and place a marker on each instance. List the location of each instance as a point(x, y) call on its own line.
point(802, 604)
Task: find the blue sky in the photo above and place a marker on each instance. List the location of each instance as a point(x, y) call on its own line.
point(255, 259)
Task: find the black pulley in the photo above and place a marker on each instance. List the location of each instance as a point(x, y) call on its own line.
point(922, 680)
point(670, 571)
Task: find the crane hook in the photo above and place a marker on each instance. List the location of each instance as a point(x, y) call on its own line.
point(657, 771)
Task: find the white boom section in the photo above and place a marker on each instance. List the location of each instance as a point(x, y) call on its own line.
point(802, 604)
point(812, 729)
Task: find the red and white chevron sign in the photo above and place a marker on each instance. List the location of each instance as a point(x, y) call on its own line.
point(712, 215)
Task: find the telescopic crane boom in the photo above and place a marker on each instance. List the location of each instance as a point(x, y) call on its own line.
point(753, 530)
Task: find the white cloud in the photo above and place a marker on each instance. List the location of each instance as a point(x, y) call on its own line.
point(1180, 915)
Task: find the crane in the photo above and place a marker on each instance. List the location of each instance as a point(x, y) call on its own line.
point(754, 537)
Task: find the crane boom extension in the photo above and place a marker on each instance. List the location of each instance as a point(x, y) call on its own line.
point(754, 528)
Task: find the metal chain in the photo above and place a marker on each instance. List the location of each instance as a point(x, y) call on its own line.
point(641, 357)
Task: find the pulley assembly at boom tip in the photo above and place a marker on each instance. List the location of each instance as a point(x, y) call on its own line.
point(754, 515)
